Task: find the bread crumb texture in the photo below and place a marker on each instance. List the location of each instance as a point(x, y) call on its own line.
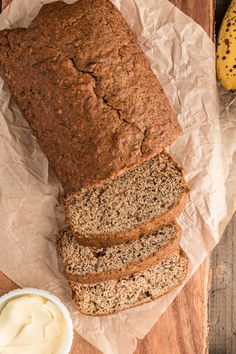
point(115, 295)
point(81, 260)
point(127, 201)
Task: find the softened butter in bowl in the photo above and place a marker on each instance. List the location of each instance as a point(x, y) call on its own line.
point(34, 321)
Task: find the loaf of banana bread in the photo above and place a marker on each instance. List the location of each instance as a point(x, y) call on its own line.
point(87, 91)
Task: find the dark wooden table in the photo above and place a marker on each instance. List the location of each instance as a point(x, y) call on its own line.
point(222, 296)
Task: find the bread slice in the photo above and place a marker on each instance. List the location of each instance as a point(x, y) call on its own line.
point(108, 297)
point(90, 264)
point(132, 204)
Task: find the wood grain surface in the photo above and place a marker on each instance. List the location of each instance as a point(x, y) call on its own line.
point(222, 297)
point(202, 11)
point(183, 327)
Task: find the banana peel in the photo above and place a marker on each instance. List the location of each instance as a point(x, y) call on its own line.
point(226, 49)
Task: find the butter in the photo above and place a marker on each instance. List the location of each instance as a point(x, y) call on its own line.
point(30, 324)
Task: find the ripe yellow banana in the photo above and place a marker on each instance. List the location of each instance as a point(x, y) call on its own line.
point(226, 49)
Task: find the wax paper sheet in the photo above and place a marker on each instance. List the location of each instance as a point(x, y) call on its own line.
point(183, 58)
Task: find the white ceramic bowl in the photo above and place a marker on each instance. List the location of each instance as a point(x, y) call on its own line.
point(66, 342)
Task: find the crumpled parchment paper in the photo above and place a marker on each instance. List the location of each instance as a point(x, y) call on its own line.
point(183, 58)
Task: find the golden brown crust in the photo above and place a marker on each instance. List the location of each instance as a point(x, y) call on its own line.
point(183, 255)
point(87, 91)
point(132, 268)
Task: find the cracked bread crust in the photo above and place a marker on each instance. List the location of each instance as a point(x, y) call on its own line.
point(87, 265)
point(87, 91)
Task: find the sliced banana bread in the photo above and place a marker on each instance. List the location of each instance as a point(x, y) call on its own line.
point(132, 204)
point(87, 91)
point(108, 297)
point(89, 264)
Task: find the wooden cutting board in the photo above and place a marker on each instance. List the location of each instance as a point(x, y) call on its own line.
point(182, 329)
